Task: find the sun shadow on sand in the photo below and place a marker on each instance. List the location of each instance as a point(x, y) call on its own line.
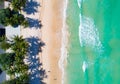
point(37, 73)
point(31, 7)
point(34, 23)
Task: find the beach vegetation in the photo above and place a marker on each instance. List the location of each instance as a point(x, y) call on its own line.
point(4, 45)
point(1, 2)
point(19, 80)
point(18, 5)
point(12, 17)
point(2, 38)
point(15, 65)
point(4, 13)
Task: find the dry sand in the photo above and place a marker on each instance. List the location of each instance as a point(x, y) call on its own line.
point(50, 13)
point(51, 18)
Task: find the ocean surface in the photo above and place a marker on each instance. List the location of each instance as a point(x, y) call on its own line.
point(94, 42)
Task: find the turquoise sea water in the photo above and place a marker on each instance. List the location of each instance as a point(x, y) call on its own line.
point(94, 43)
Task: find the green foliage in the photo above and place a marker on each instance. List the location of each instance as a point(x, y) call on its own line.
point(19, 44)
point(12, 81)
point(25, 23)
point(12, 17)
point(7, 62)
point(16, 19)
point(23, 79)
point(4, 14)
point(4, 45)
point(15, 65)
point(2, 38)
point(1, 1)
point(18, 4)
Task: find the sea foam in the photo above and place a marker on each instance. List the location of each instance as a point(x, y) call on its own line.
point(64, 42)
point(79, 3)
point(88, 34)
point(84, 66)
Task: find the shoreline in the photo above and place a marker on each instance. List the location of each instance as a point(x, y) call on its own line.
point(64, 42)
point(53, 33)
point(52, 21)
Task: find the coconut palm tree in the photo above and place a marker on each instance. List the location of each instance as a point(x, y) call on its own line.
point(18, 4)
point(23, 79)
point(4, 45)
point(7, 62)
point(1, 1)
point(4, 13)
point(15, 65)
point(12, 17)
point(19, 44)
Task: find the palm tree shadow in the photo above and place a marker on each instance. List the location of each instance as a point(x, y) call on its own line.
point(31, 7)
point(34, 23)
point(37, 73)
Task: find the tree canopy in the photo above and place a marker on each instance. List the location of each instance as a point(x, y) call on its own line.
point(12, 17)
point(4, 14)
point(7, 62)
point(19, 80)
point(18, 4)
point(15, 65)
point(1, 2)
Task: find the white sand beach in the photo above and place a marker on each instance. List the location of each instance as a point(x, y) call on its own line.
point(49, 12)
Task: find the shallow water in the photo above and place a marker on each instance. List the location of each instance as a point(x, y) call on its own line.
point(94, 50)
